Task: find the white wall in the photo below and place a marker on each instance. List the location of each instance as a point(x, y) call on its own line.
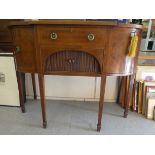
point(9, 89)
point(74, 88)
point(57, 87)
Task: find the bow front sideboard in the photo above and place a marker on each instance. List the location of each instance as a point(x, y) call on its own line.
point(74, 47)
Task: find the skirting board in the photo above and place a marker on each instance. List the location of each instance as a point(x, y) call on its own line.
point(71, 99)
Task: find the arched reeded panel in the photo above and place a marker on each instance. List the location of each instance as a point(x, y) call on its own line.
point(71, 61)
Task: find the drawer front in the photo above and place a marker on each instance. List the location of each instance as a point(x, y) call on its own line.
point(80, 36)
point(71, 60)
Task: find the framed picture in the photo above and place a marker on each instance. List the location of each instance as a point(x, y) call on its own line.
point(146, 73)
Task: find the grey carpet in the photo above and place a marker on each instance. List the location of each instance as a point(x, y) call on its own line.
point(72, 118)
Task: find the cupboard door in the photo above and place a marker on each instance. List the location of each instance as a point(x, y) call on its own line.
point(24, 49)
point(116, 56)
point(69, 60)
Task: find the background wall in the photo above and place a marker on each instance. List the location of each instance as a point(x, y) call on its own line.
point(56, 87)
point(74, 88)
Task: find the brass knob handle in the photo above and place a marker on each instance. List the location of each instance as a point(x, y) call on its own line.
point(53, 35)
point(71, 61)
point(91, 37)
point(17, 49)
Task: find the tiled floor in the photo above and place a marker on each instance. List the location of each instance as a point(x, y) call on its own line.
point(72, 118)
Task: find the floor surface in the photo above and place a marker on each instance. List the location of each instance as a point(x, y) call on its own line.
point(72, 118)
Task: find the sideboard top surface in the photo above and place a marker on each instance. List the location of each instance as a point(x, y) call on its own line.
point(72, 22)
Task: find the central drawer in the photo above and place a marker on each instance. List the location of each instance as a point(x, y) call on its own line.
point(81, 36)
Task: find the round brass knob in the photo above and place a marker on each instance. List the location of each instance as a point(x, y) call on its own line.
point(70, 61)
point(91, 37)
point(53, 35)
point(73, 61)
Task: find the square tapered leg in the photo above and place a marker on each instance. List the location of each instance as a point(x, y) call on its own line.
point(101, 101)
point(34, 85)
point(42, 97)
point(128, 95)
point(20, 88)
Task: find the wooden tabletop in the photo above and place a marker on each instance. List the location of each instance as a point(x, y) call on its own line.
point(72, 22)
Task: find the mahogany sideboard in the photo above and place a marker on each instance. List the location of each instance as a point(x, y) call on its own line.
point(74, 47)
